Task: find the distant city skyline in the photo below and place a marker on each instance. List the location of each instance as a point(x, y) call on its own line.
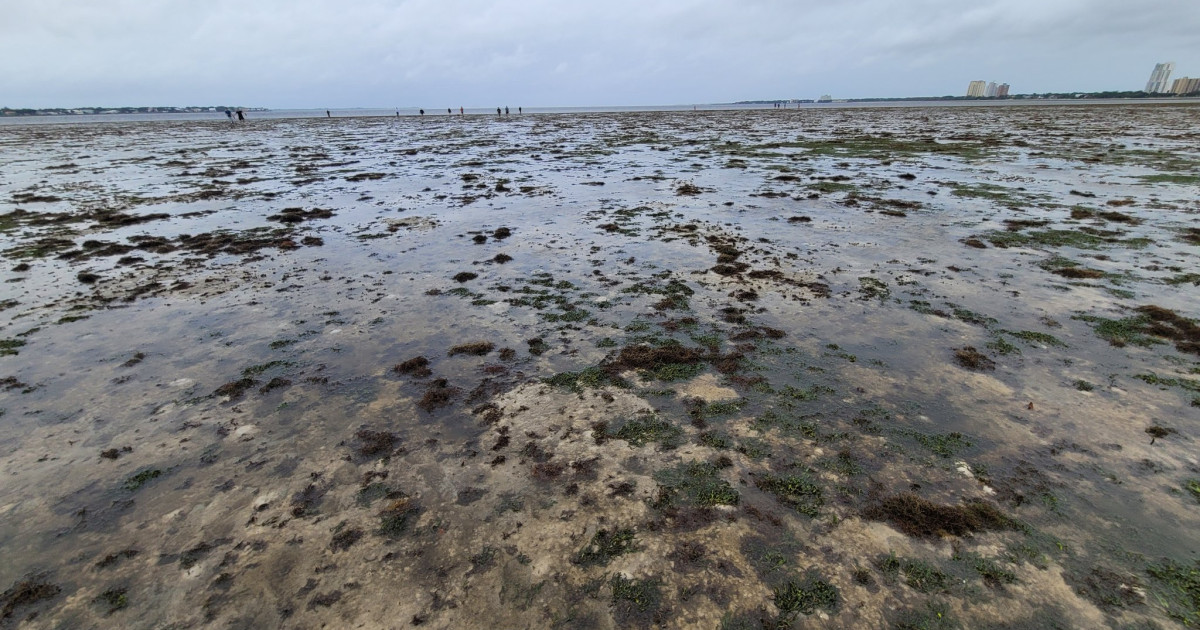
point(446, 53)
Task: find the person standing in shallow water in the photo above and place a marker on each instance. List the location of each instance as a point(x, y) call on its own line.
point(497, 112)
point(505, 111)
point(241, 116)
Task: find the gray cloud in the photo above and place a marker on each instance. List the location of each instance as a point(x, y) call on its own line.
point(440, 53)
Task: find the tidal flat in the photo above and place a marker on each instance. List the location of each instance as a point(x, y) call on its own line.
point(923, 367)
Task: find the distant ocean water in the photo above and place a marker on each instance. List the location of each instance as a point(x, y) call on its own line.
point(275, 114)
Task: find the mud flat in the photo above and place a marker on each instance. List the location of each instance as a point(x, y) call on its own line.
point(911, 368)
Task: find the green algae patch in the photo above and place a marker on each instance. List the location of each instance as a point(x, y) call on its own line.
point(675, 372)
point(919, 575)
point(1177, 590)
point(606, 545)
point(398, 516)
point(631, 596)
point(1121, 332)
point(805, 596)
point(694, 484)
point(1036, 337)
point(644, 430)
point(1151, 325)
point(1192, 486)
point(1079, 239)
point(990, 192)
point(1170, 178)
point(787, 424)
point(592, 377)
point(993, 573)
point(797, 491)
point(113, 599)
point(139, 479)
point(943, 444)
point(9, 347)
point(1182, 383)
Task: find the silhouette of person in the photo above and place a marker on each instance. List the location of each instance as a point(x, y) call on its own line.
point(497, 112)
point(229, 115)
point(505, 111)
point(460, 111)
point(327, 114)
point(241, 116)
point(518, 110)
point(422, 112)
point(449, 112)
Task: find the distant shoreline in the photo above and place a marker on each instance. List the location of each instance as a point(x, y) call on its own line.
point(103, 111)
point(1049, 96)
point(12, 112)
point(9, 116)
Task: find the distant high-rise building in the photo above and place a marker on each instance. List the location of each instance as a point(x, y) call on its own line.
point(977, 88)
point(1158, 79)
point(990, 92)
point(1002, 90)
point(1185, 85)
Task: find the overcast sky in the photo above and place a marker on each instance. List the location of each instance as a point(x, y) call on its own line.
point(446, 53)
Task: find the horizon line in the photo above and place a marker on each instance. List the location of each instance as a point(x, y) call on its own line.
point(1019, 96)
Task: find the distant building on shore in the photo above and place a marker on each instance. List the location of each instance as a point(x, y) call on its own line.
point(825, 98)
point(1158, 79)
point(987, 89)
point(1185, 85)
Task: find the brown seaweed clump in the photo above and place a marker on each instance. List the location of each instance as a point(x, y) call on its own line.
point(475, 348)
point(298, 215)
point(923, 518)
point(371, 443)
point(26, 593)
point(345, 539)
point(643, 357)
point(548, 471)
point(1106, 588)
point(1077, 273)
point(416, 366)
point(1171, 325)
point(235, 389)
point(438, 395)
point(972, 359)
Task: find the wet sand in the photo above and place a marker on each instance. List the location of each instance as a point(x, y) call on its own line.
point(913, 368)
